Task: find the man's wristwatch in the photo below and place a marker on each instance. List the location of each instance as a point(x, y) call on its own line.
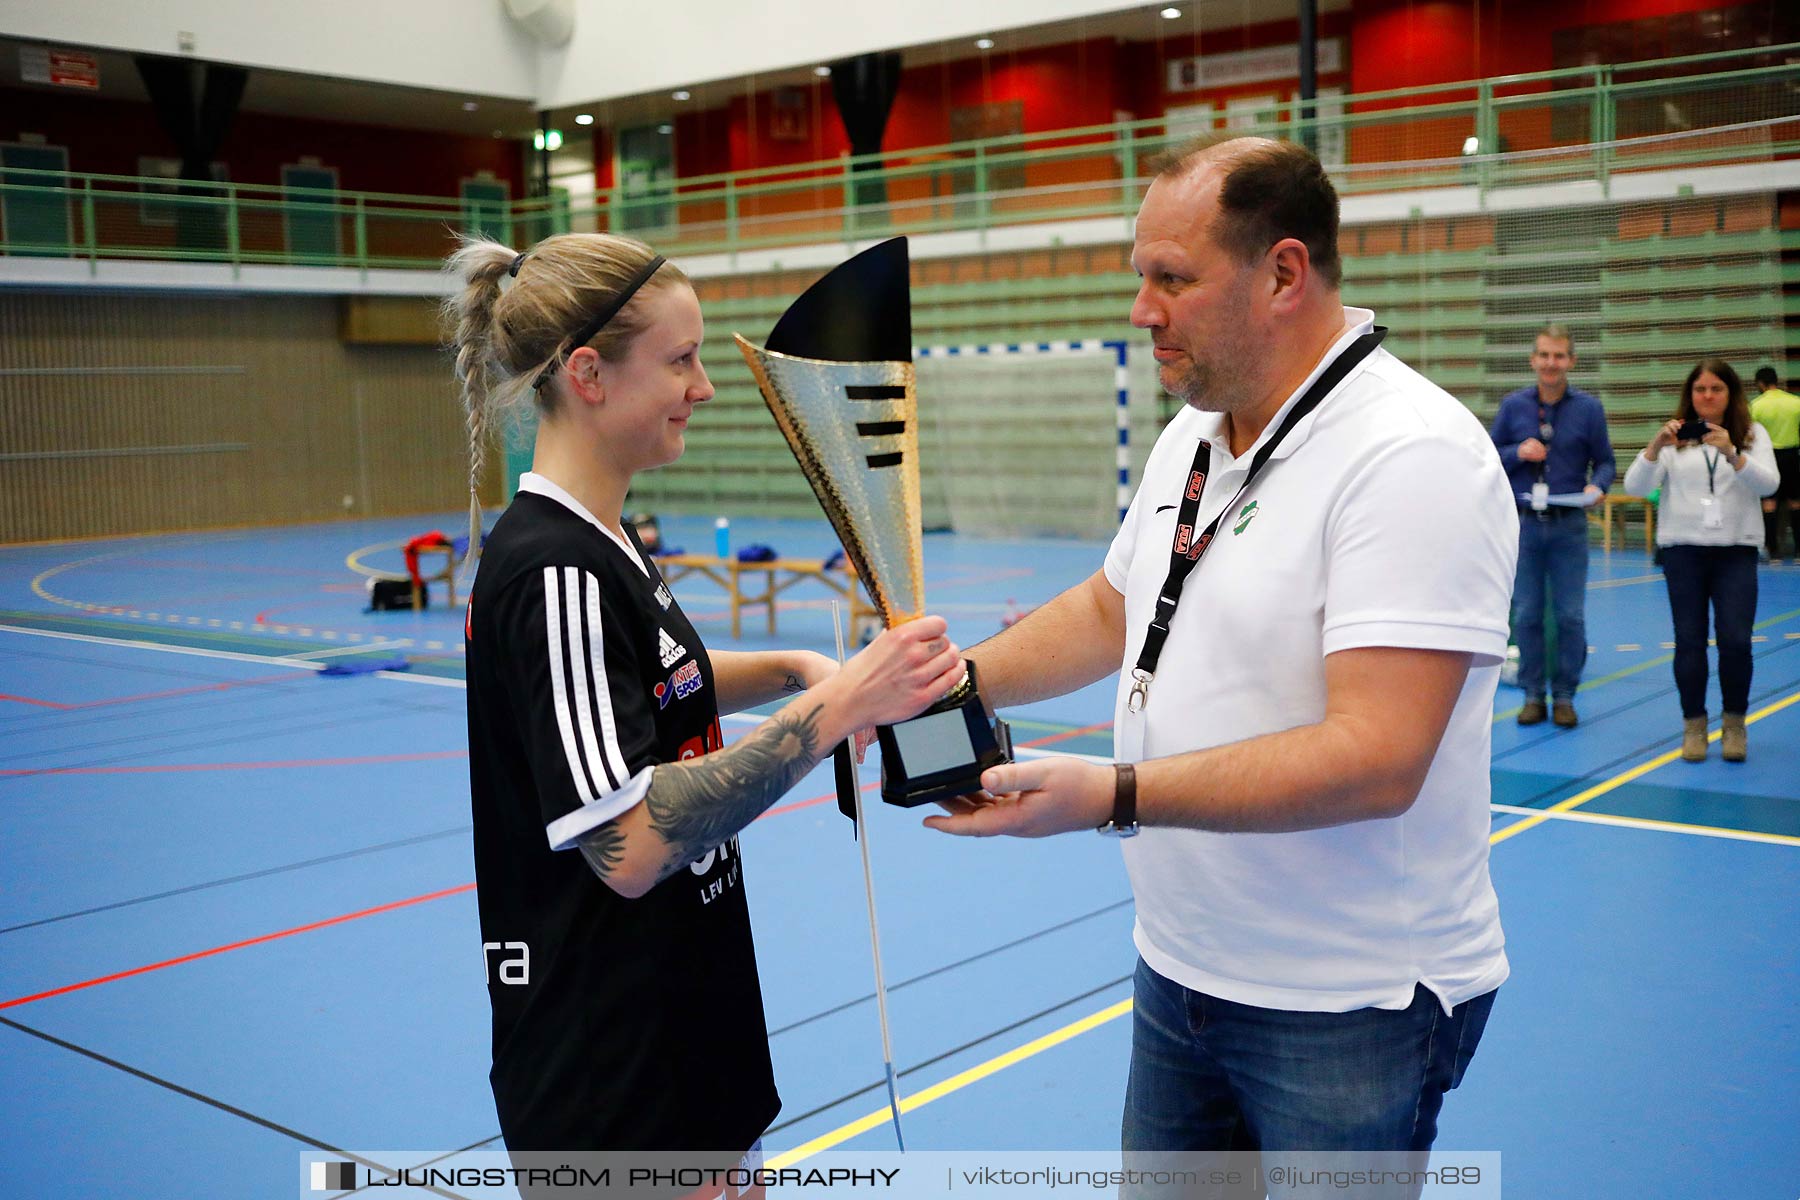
point(1124, 815)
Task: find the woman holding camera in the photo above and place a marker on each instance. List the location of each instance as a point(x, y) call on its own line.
point(1714, 465)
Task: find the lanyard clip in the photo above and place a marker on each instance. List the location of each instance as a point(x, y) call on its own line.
point(1140, 691)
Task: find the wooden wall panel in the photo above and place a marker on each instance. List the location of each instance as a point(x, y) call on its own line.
point(125, 413)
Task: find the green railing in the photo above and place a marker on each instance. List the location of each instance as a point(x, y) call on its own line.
point(1582, 124)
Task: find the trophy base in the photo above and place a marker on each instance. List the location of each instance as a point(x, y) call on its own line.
point(941, 753)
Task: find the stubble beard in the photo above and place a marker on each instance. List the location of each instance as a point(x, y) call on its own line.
point(1226, 379)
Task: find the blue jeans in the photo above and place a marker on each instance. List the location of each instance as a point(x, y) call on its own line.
point(1724, 579)
point(1553, 550)
point(1210, 1074)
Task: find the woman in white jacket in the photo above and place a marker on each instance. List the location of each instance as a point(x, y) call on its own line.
point(1714, 465)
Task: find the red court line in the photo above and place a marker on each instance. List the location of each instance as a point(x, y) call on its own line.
point(267, 937)
point(1066, 734)
point(797, 805)
point(364, 760)
point(381, 908)
point(39, 703)
point(296, 673)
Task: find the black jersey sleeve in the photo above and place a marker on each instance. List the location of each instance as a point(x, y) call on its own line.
point(573, 683)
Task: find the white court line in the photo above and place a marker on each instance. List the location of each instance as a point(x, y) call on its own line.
point(1591, 818)
point(1602, 584)
point(228, 655)
point(366, 647)
point(307, 663)
point(1042, 752)
point(134, 644)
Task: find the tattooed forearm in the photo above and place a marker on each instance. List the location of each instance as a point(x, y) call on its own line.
point(698, 805)
point(604, 848)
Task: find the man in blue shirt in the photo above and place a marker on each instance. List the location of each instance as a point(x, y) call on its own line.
point(1552, 441)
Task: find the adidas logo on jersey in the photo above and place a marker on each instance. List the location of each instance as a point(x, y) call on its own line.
point(664, 598)
point(669, 649)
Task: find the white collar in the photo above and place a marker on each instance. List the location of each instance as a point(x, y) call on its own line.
point(537, 485)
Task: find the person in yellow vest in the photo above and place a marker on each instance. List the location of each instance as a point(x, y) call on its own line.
point(1778, 411)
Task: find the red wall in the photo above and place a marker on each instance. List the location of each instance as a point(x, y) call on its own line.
point(105, 137)
point(1406, 43)
point(1065, 86)
point(1390, 44)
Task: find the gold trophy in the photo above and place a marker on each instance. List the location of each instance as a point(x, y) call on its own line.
point(837, 374)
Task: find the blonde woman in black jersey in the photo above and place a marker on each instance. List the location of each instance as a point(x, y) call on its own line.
point(606, 806)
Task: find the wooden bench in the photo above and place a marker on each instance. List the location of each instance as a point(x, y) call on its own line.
point(1618, 503)
point(776, 576)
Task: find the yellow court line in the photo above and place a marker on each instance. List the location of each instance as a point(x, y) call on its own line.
point(953, 1084)
point(1624, 822)
point(354, 560)
point(1625, 777)
point(1664, 660)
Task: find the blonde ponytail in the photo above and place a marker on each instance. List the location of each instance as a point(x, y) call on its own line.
point(481, 264)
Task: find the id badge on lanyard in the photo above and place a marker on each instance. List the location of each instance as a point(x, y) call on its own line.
point(1712, 513)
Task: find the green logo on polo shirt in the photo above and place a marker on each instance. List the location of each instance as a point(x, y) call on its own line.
point(1246, 515)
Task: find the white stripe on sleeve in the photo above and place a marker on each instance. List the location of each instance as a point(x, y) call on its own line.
point(609, 726)
point(580, 657)
point(559, 685)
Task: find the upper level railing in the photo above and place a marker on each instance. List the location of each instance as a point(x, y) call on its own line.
point(1585, 124)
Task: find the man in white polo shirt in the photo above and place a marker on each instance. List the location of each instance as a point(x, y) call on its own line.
point(1302, 725)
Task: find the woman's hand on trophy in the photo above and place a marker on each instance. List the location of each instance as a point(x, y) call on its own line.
point(899, 674)
point(1038, 798)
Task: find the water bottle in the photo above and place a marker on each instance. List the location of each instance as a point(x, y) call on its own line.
point(722, 537)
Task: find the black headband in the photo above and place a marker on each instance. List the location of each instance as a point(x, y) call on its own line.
point(586, 333)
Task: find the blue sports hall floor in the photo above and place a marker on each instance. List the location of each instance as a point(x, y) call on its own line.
point(237, 910)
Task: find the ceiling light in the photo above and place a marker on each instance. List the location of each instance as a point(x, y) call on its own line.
point(547, 139)
point(470, 106)
point(584, 118)
point(984, 43)
point(822, 72)
point(683, 94)
point(1170, 14)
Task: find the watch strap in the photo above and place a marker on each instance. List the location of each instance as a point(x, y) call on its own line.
point(1124, 821)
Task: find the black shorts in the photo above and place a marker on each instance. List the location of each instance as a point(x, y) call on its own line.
point(1787, 461)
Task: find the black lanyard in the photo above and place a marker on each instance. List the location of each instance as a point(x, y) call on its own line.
point(1186, 550)
point(1712, 464)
